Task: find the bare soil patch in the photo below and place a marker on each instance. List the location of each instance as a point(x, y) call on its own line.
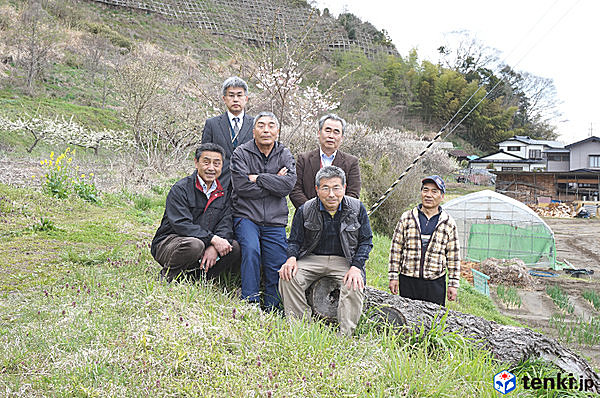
point(577, 242)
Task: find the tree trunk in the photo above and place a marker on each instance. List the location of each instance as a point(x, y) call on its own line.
point(509, 344)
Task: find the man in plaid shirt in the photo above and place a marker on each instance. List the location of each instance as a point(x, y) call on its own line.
point(424, 246)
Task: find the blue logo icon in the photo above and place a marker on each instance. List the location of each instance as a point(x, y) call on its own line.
point(505, 382)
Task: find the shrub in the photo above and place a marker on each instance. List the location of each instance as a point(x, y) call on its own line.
point(61, 178)
point(384, 155)
point(57, 174)
point(85, 188)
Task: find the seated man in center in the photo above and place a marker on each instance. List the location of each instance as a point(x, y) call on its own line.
point(330, 236)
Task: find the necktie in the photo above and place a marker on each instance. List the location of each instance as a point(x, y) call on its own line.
point(235, 132)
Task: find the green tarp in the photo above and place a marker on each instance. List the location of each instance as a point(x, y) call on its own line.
point(532, 244)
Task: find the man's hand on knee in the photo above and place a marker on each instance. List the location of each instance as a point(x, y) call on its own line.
point(222, 246)
point(209, 259)
point(289, 269)
point(353, 279)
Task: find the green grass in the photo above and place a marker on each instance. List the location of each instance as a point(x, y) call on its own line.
point(509, 296)
point(83, 314)
point(593, 297)
point(560, 298)
point(114, 331)
point(14, 105)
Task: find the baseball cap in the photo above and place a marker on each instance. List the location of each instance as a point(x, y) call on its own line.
point(437, 180)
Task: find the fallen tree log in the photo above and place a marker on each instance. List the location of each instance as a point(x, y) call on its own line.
point(509, 344)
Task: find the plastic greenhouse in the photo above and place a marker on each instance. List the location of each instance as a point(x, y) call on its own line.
point(493, 225)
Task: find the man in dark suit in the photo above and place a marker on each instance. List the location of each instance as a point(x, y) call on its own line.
point(232, 128)
point(331, 133)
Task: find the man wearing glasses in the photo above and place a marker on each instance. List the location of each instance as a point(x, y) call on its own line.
point(330, 236)
point(424, 248)
point(232, 128)
point(330, 136)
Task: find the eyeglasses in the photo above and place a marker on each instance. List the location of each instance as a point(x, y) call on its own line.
point(336, 190)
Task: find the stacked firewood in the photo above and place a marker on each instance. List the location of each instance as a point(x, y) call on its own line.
point(559, 210)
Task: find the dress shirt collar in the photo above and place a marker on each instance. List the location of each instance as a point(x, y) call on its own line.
point(240, 116)
point(207, 191)
point(327, 160)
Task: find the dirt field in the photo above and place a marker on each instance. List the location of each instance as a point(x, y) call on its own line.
point(578, 242)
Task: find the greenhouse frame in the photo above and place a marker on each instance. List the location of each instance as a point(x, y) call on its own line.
point(492, 225)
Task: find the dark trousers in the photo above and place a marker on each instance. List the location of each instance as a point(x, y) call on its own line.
point(433, 290)
point(263, 248)
point(181, 255)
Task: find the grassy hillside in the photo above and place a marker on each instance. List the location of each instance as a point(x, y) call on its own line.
point(83, 315)
point(81, 311)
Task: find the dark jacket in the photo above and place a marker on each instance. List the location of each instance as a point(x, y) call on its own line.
point(262, 202)
point(218, 131)
point(189, 213)
point(355, 232)
point(307, 166)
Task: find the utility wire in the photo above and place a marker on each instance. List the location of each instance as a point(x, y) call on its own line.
point(388, 192)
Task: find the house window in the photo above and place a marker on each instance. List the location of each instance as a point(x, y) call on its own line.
point(513, 148)
point(507, 168)
point(595, 161)
point(556, 157)
point(535, 154)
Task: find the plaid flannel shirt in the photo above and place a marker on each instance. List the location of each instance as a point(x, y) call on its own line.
point(442, 253)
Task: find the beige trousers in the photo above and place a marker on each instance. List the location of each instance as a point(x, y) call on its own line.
point(311, 268)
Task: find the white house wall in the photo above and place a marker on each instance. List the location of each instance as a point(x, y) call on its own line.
point(580, 154)
point(555, 165)
point(523, 148)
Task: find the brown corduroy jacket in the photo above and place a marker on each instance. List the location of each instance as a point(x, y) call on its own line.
point(307, 165)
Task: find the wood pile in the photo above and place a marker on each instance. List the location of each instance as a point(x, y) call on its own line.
point(465, 270)
point(511, 272)
point(559, 210)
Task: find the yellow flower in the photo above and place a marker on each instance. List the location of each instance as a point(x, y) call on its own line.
point(41, 162)
point(91, 174)
point(70, 160)
point(68, 149)
point(58, 168)
point(52, 155)
point(33, 177)
point(83, 176)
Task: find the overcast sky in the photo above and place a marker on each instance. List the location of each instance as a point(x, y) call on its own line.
point(555, 39)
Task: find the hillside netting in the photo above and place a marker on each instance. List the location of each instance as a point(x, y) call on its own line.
point(246, 20)
point(493, 225)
